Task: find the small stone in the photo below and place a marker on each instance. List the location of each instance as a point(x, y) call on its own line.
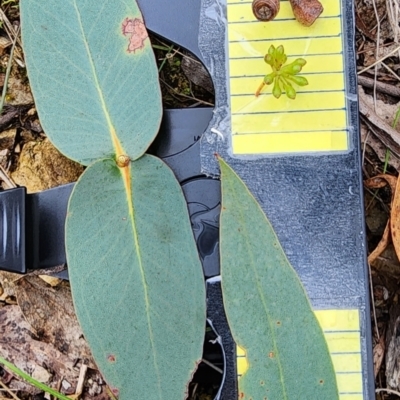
point(65, 385)
point(3, 157)
point(40, 374)
point(41, 166)
point(21, 93)
point(36, 127)
point(31, 112)
point(7, 138)
point(27, 136)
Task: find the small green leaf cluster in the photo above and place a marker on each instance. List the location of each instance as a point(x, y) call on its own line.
point(283, 76)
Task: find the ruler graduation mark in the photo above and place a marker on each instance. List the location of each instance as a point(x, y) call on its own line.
point(317, 119)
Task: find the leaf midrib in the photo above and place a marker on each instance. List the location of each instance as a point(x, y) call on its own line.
point(114, 137)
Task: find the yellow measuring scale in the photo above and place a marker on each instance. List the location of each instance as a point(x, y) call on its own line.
point(316, 121)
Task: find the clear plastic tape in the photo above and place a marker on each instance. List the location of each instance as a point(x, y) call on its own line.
point(245, 126)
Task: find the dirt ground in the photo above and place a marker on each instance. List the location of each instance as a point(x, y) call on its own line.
point(36, 315)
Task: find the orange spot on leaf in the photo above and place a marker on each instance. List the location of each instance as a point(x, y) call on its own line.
point(111, 358)
point(136, 31)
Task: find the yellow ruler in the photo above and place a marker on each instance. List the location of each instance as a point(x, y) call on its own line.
point(342, 333)
point(317, 120)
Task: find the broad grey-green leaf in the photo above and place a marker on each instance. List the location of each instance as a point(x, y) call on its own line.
point(93, 76)
point(267, 307)
point(136, 278)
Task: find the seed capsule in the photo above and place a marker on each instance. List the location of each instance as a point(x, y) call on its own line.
point(265, 10)
point(306, 11)
point(123, 161)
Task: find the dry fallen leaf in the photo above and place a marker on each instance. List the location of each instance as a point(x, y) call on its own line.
point(19, 346)
point(393, 349)
point(379, 354)
point(395, 220)
point(51, 314)
point(378, 182)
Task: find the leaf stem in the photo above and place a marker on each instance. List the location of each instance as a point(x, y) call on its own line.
point(259, 89)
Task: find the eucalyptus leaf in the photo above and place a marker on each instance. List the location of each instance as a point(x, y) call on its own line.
point(93, 75)
point(267, 307)
point(136, 278)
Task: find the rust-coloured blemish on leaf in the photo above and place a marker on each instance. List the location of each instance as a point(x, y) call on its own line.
point(262, 383)
point(136, 31)
point(111, 358)
point(321, 381)
point(278, 323)
point(241, 395)
point(271, 354)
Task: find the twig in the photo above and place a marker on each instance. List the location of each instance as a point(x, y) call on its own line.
point(177, 51)
point(81, 380)
point(379, 61)
point(184, 95)
point(382, 87)
point(378, 38)
point(211, 365)
point(9, 64)
point(6, 179)
point(391, 71)
point(393, 12)
point(195, 390)
point(7, 389)
point(387, 391)
point(373, 301)
point(366, 50)
point(363, 152)
point(10, 29)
